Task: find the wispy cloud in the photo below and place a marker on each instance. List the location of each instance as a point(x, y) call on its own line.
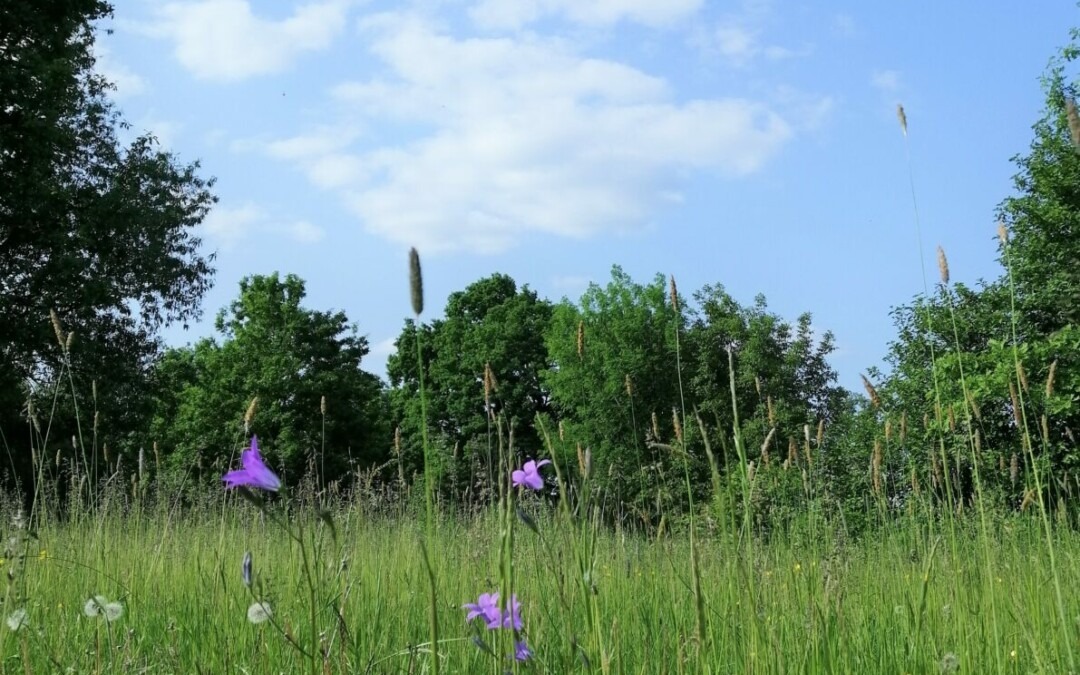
point(519, 135)
point(126, 82)
point(518, 13)
point(223, 40)
point(886, 81)
point(230, 226)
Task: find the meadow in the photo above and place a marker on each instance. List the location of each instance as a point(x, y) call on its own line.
point(916, 597)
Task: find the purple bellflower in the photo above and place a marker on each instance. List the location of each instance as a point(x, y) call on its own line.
point(488, 607)
point(521, 650)
point(511, 618)
point(254, 473)
point(529, 475)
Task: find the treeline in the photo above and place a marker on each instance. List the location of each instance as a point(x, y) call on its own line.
point(635, 383)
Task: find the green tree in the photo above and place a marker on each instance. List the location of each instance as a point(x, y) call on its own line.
point(609, 382)
point(494, 325)
point(101, 233)
point(952, 368)
point(297, 362)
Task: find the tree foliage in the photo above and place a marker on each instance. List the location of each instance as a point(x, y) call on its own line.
point(100, 232)
point(297, 363)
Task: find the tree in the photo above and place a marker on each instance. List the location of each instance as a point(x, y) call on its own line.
point(615, 367)
point(783, 379)
point(491, 325)
point(953, 366)
point(297, 363)
point(100, 233)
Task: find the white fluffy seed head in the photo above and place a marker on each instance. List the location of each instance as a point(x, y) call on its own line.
point(95, 605)
point(259, 612)
point(18, 619)
point(113, 611)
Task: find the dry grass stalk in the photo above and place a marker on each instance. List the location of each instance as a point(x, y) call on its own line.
point(888, 429)
point(677, 423)
point(757, 385)
point(1022, 375)
point(629, 384)
point(250, 414)
point(397, 441)
point(1074, 121)
point(1003, 233)
point(750, 469)
point(416, 283)
point(1045, 429)
point(1001, 463)
point(655, 426)
point(322, 406)
point(772, 413)
point(584, 458)
point(58, 328)
point(974, 407)
point(903, 426)
point(871, 392)
point(562, 431)
point(875, 467)
point(1029, 499)
point(1014, 468)
point(674, 295)
point(820, 432)
point(935, 470)
point(943, 266)
point(581, 339)
point(69, 342)
point(1015, 405)
point(1050, 379)
point(765, 446)
point(901, 116)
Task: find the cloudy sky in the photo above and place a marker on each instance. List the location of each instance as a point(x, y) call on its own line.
point(752, 144)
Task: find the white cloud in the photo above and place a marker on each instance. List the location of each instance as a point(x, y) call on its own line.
point(739, 45)
point(223, 40)
point(305, 232)
point(383, 348)
point(517, 13)
point(844, 25)
point(126, 81)
point(230, 226)
point(886, 81)
point(517, 136)
point(736, 43)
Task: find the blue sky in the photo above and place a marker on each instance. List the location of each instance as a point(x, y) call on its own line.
point(753, 144)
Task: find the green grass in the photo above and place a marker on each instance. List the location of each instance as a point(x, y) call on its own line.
point(820, 603)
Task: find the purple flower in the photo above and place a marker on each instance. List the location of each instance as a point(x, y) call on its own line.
point(255, 472)
point(521, 650)
point(529, 475)
point(512, 617)
point(488, 607)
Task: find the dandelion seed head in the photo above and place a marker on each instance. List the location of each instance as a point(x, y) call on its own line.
point(94, 605)
point(259, 612)
point(113, 611)
point(18, 619)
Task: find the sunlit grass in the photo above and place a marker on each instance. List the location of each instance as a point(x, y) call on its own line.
point(822, 603)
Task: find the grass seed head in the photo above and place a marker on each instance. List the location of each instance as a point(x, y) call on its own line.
point(58, 328)
point(1074, 121)
point(416, 283)
point(943, 266)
